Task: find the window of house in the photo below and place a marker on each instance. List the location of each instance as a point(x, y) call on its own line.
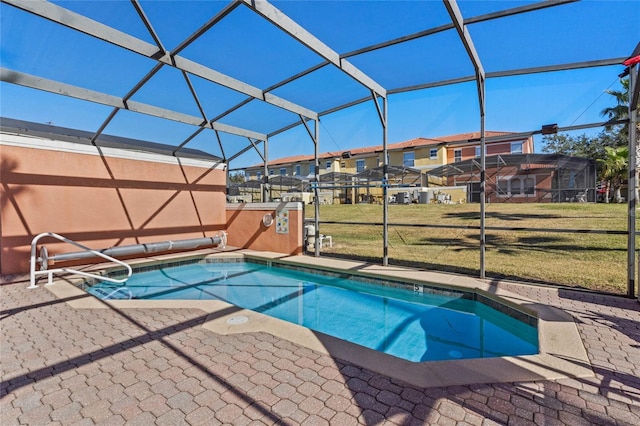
point(283, 171)
point(247, 175)
point(343, 165)
point(408, 159)
point(503, 187)
point(298, 170)
point(516, 147)
point(478, 151)
point(359, 166)
point(516, 186)
point(457, 155)
point(328, 165)
point(433, 154)
point(258, 175)
point(529, 185)
point(271, 172)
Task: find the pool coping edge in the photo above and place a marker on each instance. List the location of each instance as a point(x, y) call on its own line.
point(562, 352)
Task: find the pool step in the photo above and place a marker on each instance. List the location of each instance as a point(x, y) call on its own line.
point(121, 293)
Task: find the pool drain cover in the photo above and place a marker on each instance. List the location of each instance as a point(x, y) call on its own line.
point(239, 319)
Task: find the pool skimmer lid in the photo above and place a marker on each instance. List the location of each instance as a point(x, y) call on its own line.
point(237, 320)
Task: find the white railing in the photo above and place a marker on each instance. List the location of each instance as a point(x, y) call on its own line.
point(50, 272)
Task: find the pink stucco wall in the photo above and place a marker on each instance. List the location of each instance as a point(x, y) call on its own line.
point(245, 227)
point(101, 201)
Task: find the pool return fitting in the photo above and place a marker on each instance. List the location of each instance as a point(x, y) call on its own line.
point(108, 253)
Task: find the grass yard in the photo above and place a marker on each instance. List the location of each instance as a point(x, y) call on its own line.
point(593, 261)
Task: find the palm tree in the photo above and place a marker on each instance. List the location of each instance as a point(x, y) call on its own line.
point(621, 112)
point(614, 169)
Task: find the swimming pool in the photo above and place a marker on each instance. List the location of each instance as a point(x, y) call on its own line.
point(423, 325)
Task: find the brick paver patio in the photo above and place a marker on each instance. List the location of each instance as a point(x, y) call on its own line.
point(65, 366)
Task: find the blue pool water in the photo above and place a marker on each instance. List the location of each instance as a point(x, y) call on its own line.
point(407, 324)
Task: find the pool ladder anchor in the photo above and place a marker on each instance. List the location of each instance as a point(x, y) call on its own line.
point(43, 260)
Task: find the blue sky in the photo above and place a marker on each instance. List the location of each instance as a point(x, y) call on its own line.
point(247, 48)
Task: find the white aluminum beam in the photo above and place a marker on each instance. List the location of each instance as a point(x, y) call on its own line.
point(506, 73)
point(467, 79)
point(103, 32)
point(632, 181)
point(445, 27)
point(214, 76)
point(272, 88)
point(517, 10)
point(147, 24)
point(226, 128)
point(204, 28)
point(189, 139)
point(554, 68)
point(242, 151)
point(465, 37)
point(27, 80)
point(85, 25)
point(33, 82)
point(286, 24)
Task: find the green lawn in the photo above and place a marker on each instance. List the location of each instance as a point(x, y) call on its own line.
point(587, 260)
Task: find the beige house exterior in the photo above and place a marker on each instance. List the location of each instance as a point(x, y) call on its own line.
point(419, 153)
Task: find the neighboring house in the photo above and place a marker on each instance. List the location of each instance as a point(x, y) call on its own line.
point(524, 178)
point(419, 153)
point(513, 172)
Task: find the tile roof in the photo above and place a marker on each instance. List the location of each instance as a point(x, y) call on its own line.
point(412, 143)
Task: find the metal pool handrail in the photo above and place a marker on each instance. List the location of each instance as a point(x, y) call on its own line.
point(50, 272)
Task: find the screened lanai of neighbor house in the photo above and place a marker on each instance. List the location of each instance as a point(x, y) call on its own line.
point(219, 86)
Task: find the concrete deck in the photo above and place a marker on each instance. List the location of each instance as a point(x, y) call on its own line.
point(66, 360)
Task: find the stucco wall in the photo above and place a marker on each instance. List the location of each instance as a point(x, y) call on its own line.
point(246, 229)
point(101, 200)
